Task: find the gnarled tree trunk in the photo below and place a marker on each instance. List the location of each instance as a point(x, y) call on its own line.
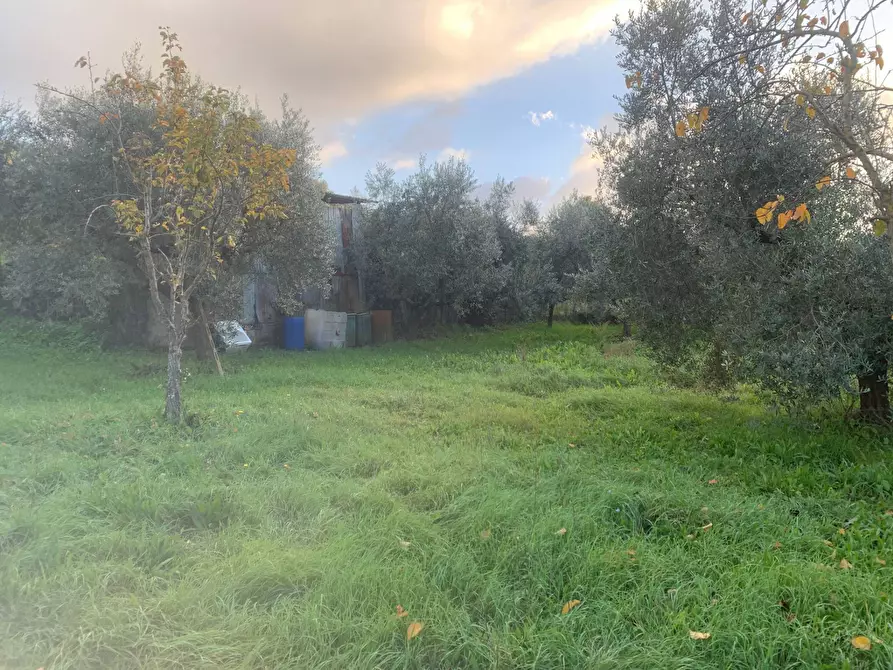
point(874, 394)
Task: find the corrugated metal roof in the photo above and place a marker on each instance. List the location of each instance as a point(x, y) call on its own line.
point(334, 199)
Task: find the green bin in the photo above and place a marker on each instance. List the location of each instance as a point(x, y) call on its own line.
point(364, 329)
point(351, 330)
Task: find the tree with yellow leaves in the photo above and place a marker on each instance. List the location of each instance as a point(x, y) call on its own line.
point(201, 179)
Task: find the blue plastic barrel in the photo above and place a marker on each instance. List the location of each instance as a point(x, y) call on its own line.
point(293, 333)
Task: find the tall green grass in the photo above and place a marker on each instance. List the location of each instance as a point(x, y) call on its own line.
point(309, 494)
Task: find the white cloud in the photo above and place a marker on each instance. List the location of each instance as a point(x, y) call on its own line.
point(450, 152)
point(458, 19)
point(537, 118)
point(404, 163)
point(337, 60)
point(332, 151)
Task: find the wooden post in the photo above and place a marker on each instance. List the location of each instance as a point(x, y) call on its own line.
point(206, 332)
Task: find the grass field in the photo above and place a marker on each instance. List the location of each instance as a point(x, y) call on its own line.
point(313, 493)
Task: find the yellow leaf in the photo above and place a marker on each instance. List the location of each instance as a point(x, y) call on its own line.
point(693, 121)
point(845, 564)
point(569, 605)
point(707, 527)
point(801, 213)
point(828, 543)
point(742, 59)
point(879, 227)
point(861, 642)
point(845, 29)
point(880, 61)
point(414, 629)
point(696, 635)
point(823, 182)
point(680, 129)
point(780, 198)
point(761, 69)
point(704, 114)
point(851, 173)
point(810, 112)
point(764, 215)
point(783, 219)
point(800, 100)
point(401, 612)
point(841, 531)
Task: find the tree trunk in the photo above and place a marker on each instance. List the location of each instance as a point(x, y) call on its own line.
point(173, 406)
point(874, 394)
point(551, 313)
point(627, 330)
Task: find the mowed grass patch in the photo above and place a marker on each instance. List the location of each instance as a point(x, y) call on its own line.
point(480, 481)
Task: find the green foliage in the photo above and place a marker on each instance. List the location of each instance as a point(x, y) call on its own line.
point(116, 524)
point(800, 306)
point(428, 246)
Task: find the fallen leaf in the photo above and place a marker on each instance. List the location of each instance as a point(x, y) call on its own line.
point(713, 481)
point(485, 534)
point(690, 536)
point(784, 604)
point(405, 544)
point(790, 616)
point(569, 605)
point(704, 510)
point(561, 531)
point(777, 545)
point(841, 531)
point(401, 612)
point(861, 642)
point(414, 629)
point(244, 465)
point(630, 552)
point(828, 543)
point(286, 466)
point(708, 526)
point(696, 635)
point(889, 512)
point(845, 564)
point(880, 561)
point(572, 445)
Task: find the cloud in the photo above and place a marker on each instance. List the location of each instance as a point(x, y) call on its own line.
point(433, 130)
point(338, 60)
point(450, 152)
point(332, 151)
point(584, 173)
point(404, 163)
point(537, 119)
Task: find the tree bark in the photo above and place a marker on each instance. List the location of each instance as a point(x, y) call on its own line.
point(874, 394)
point(173, 407)
point(551, 313)
point(627, 330)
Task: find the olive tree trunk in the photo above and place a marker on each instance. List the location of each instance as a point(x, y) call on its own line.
point(874, 394)
point(551, 313)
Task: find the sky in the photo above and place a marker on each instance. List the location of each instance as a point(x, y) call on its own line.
point(511, 85)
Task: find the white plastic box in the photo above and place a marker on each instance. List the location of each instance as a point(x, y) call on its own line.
point(324, 329)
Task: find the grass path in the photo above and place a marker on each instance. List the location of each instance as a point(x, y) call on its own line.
point(312, 493)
